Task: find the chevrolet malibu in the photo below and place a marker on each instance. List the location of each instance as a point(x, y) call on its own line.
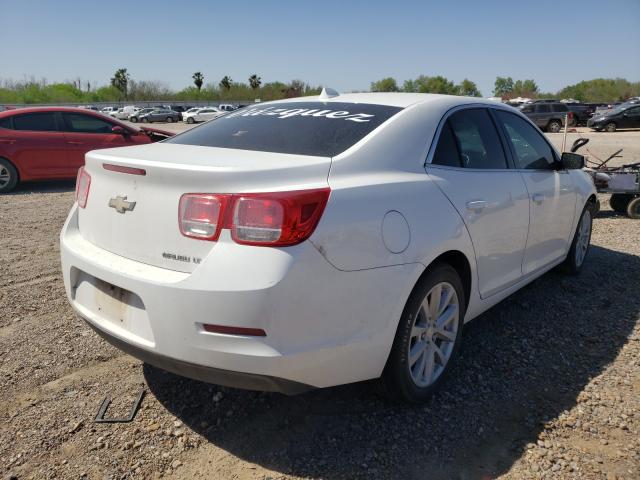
point(320, 241)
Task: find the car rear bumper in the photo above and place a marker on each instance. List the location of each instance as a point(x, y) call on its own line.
point(323, 326)
point(227, 378)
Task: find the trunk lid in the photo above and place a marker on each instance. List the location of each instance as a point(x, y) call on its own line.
point(148, 232)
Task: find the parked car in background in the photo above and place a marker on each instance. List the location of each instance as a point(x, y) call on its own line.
point(160, 115)
point(323, 246)
point(190, 111)
point(108, 110)
point(204, 114)
point(177, 108)
point(581, 113)
point(548, 116)
point(226, 107)
point(135, 117)
point(51, 142)
point(624, 116)
point(124, 112)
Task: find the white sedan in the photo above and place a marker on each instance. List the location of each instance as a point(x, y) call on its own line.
point(203, 114)
point(320, 241)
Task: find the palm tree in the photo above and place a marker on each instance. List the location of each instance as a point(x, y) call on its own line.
point(255, 81)
point(120, 80)
point(226, 82)
point(198, 80)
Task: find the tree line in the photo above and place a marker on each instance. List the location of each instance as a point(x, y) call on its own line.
point(596, 90)
point(122, 87)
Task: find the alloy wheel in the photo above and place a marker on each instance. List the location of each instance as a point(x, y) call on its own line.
point(5, 176)
point(584, 237)
point(433, 334)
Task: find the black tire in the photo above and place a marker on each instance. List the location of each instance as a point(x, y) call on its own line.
point(145, 120)
point(554, 126)
point(573, 264)
point(397, 382)
point(620, 201)
point(8, 176)
point(134, 119)
point(190, 120)
point(633, 208)
point(169, 119)
point(610, 127)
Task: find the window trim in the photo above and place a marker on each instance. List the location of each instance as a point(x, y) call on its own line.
point(436, 138)
point(512, 154)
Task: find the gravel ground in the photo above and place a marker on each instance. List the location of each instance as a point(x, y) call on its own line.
point(548, 386)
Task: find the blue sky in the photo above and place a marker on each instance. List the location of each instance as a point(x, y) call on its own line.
point(343, 44)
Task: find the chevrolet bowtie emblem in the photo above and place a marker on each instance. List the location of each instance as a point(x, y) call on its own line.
point(121, 205)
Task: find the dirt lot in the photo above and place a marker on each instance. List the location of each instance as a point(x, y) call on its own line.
point(548, 385)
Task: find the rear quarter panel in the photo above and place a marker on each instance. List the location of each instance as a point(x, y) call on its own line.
point(385, 172)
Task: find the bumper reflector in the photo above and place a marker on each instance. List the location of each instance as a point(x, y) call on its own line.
point(251, 332)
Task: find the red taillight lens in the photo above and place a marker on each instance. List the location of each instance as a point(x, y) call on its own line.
point(278, 219)
point(269, 219)
point(201, 215)
point(83, 183)
point(257, 220)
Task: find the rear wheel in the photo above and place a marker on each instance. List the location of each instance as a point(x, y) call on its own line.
point(633, 209)
point(8, 176)
point(169, 119)
point(610, 127)
point(145, 120)
point(428, 337)
point(580, 244)
point(134, 119)
point(619, 202)
point(554, 126)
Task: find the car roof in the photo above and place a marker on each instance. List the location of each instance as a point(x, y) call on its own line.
point(15, 111)
point(392, 99)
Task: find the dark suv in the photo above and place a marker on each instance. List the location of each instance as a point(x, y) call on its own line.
point(547, 116)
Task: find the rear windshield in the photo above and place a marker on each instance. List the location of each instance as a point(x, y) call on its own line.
point(300, 128)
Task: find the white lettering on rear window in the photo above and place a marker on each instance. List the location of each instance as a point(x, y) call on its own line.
point(283, 113)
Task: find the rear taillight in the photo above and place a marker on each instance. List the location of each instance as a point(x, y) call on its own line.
point(275, 219)
point(83, 183)
point(201, 215)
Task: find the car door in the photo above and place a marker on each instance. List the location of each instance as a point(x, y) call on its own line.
point(630, 118)
point(470, 166)
point(85, 132)
point(38, 145)
point(552, 194)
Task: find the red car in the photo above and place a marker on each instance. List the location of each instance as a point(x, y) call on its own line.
point(50, 142)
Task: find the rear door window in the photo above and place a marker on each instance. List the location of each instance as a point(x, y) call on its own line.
point(300, 128)
point(36, 122)
point(543, 108)
point(477, 139)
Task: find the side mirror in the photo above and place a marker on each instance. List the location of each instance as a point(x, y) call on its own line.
point(572, 161)
point(118, 130)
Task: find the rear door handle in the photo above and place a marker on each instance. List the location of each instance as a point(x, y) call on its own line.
point(476, 205)
point(537, 198)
